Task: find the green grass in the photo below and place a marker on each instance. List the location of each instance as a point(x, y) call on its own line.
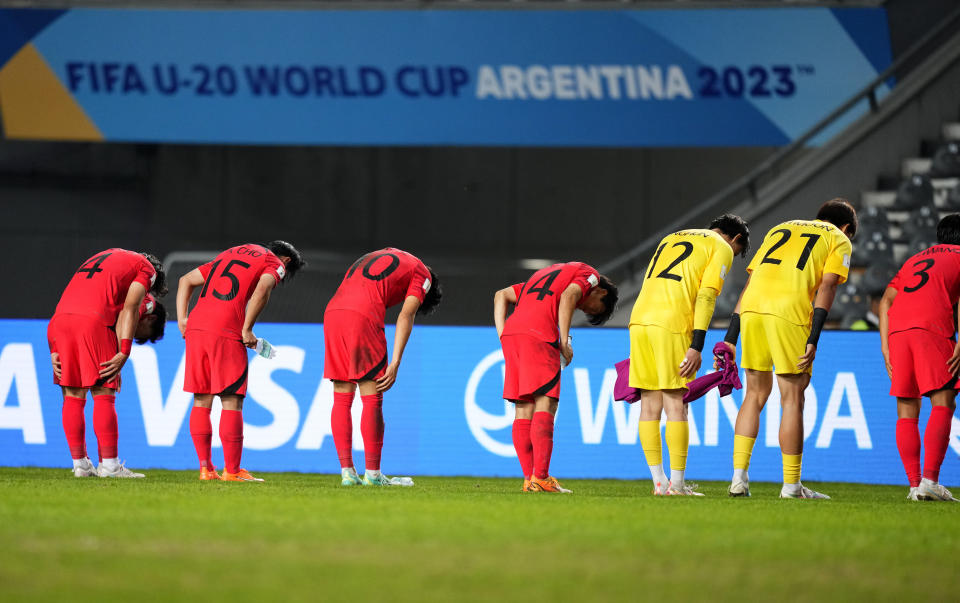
point(303, 537)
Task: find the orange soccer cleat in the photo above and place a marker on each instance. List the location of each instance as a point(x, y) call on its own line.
point(527, 487)
point(207, 474)
point(548, 484)
point(240, 476)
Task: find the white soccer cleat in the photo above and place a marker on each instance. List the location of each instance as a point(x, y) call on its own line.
point(659, 489)
point(119, 471)
point(930, 490)
point(684, 489)
point(739, 488)
point(800, 492)
point(84, 468)
point(913, 493)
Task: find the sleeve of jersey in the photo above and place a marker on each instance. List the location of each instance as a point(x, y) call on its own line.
point(205, 270)
point(419, 283)
point(517, 290)
point(278, 272)
point(586, 279)
point(895, 283)
point(838, 262)
point(146, 275)
point(719, 264)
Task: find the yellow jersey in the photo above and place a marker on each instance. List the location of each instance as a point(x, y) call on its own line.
point(787, 269)
point(684, 262)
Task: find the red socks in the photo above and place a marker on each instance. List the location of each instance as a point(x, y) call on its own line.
point(341, 424)
point(231, 436)
point(935, 441)
point(74, 426)
point(908, 443)
point(201, 430)
point(541, 435)
point(523, 445)
point(105, 425)
point(371, 426)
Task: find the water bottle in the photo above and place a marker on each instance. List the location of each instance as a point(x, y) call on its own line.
point(265, 349)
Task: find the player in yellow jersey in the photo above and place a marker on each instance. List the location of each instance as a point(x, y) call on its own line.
point(793, 280)
point(667, 331)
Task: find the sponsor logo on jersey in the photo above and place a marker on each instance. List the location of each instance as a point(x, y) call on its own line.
point(593, 280)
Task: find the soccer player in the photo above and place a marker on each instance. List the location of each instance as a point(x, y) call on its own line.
point(916, 335)
point(356, 348)
point(535, 339)
point(793, 280)
point(668, 326)
point(236, 286)
point(90, 336)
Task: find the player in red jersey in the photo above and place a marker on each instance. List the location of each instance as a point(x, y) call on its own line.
point(356, 348)
point(236, 286)
point(534, 338)
point(917, 327)
point(90, 336)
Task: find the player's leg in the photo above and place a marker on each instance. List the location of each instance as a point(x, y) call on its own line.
point(792, 388)
point(522, 442)
point(908, 440)
point(201, 431)
point(372, 428)
point(747, 426)
point(199, 360)
point(74, 428)
point(341, 424)
point(651, 409)
point(936, 438)
point(678, 442)
point(105, 426)
point(541, 434)
point(231, 437)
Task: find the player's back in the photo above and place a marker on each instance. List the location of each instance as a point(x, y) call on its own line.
point(99, 287)
point(229, 282)
point(379, 280)
point(683, 263)
point(789, 265)
point(928, 288)
point(538, 300)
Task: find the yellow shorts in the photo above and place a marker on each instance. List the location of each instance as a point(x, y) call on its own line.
point(655, 357)
point(769, 341)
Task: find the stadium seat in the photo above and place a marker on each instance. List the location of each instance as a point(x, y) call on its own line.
point(946, 161)
point(849, 302)
point(914, 193)
point(922, 242)
point(878, 275)
point(921, 223)
point(952, 201)
point(873, 218)
point(872, 246)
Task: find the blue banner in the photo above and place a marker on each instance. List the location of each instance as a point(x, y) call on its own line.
point(445, 415)
point(725, 77)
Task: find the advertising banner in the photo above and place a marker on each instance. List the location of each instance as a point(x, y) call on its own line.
point(445, 414)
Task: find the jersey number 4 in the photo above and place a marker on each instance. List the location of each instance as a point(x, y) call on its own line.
point(785, 234)
point(92, 266)
point(227, 274)
point(665, 273)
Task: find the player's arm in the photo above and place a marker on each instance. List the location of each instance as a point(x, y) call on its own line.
point(885, 303)
point(258, 301)
point(821, 307)
point(953, 363)
point(702, 315)
point(568, 305)
point(187, 283)
point(502, 301)
point(126, 325)
point(401, 335)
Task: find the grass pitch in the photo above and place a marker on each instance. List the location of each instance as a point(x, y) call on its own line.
point(303, 537)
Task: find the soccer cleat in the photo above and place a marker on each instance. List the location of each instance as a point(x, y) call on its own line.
point(738, 488)
point(913, 493)
point(659, 489)
point(85, 469)
point(119, 471)
point(371, 478)
point(349, 477)
point(240, 476)
point(930, 490)
point(209, 474)
point(527, 487)
point(685, 489)
point(801, 492)
point(548, 484)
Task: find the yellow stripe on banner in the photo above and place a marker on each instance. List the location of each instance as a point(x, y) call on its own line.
point(34, 104)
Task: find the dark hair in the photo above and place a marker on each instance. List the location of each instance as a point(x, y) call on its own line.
point(282, 248)
point(609, 302)
point(158, 326)
point(732, 226)
point(839, 212)
point(948, 230)
point(433, 297)
point(160, 283)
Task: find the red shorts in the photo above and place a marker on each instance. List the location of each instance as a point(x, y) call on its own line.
point(82, 343)
point(355, 347)
point(532, 368)
point(215, 365)
point(919, 361)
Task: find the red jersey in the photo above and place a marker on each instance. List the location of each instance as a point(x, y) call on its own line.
point(229, 282)
point(147, 305)
point(538, 300)
point(928, 287)
point(381, 279)
point(99, 287)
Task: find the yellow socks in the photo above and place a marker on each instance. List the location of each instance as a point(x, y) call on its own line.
point(653, 450)
point(678, 443)
point(742, 450)
point(791, 468)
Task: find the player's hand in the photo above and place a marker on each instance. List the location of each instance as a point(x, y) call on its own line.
point(953, 363)
point(886, 360)
point(389, 377)
point(690, 363)
point(249, 339)
point(566, 350)
point(807, 359)
point(182, 323)
point(733, 350)
point(112, 367)
point(55, 360)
